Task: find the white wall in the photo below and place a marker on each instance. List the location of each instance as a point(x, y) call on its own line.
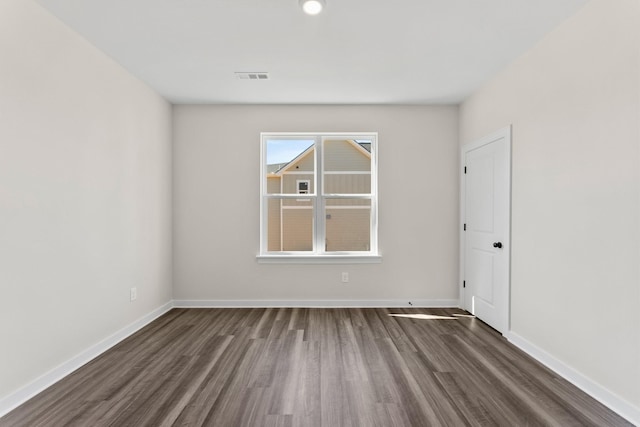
point(574, 102)
point(216, 204)
point(84, 195)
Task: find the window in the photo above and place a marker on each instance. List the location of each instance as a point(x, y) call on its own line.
point(337, 219)
point(303, 186)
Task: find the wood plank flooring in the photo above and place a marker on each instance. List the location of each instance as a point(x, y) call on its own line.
point(313, 367)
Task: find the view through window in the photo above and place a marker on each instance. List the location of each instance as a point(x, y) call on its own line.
point(337, 175)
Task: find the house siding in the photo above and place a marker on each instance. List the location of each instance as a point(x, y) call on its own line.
point(297, 232)
point(347, 184)
point(273, 212)
point(341, 155)
point(348, 229)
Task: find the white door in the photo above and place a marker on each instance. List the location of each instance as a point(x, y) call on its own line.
point(486, 206)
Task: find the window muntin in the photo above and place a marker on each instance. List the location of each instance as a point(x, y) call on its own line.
point(337, 174)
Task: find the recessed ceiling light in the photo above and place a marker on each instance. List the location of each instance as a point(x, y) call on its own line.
point(312, 7)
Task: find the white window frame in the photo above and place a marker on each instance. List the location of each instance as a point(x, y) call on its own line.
point(318, 253)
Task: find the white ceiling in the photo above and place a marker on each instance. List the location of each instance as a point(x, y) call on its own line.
point(357, 51)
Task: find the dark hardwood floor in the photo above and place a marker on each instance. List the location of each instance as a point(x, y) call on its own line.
point(313, 367)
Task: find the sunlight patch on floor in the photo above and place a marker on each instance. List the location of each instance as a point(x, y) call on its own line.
point(424, 316)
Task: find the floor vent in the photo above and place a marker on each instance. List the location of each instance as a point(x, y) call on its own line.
point(251, 76)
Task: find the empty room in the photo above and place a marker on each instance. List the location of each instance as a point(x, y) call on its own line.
point(319, 213)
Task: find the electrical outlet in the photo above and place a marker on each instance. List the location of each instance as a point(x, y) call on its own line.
point(345, 277)
point(134, 294)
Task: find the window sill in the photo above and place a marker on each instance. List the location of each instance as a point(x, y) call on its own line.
point(319, 259)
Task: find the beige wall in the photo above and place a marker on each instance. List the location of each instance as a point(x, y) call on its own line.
point(348, 229)
point(297, 229)
point(84, 195)
point(574, 102)
point(273, 233)
point(342, 155)
point(216, 228)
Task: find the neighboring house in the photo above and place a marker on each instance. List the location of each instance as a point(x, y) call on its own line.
point(346, 170)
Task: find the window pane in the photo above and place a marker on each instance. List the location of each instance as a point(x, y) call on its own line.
point(348, 225)
point(347, 166)
point(289, 161)
point(289, 225)
point(303, 171)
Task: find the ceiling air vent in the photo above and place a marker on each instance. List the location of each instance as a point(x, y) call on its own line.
point(251, 76)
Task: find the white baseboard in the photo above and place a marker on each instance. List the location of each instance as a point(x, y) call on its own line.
point(25, 393)
point(316, 303)
point(593, 389)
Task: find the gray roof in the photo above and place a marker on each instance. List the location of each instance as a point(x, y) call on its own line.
point(275, 167)
point(365, 145)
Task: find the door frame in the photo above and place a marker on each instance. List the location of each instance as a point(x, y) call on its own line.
point(506, 296)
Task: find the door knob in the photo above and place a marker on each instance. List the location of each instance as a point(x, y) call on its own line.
point(497, 245)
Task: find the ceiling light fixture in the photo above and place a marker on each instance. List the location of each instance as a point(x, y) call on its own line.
point(312, 7)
